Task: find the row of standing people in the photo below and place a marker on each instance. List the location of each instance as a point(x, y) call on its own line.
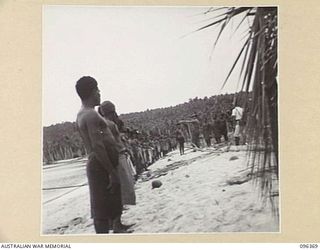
point(221, 126)
point(217, 129)
point(136, 153)
point(224, 124)
point(208, 130)
point(110, 171)
point(145, 151)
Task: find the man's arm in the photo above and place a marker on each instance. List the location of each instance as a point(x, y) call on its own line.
point(115, 131)
point(95, 132)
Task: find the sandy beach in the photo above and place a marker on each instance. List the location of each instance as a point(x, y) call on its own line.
point(203, 191)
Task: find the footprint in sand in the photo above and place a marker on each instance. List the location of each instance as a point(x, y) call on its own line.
point(60, 230)
point(76, 221)
point(177, 217)
point(90, 224)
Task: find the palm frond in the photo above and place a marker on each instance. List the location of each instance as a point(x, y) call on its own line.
point(258, 73)
point(235, 62)
point(242, 20)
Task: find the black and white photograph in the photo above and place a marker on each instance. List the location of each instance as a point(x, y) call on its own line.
point(160, 120)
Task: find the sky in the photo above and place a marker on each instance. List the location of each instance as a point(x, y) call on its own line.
point(142, 57)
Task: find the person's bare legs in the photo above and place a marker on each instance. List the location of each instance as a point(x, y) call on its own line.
point(101, 226)
point(118, 227)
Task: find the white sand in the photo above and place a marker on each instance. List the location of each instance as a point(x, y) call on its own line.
point(195, 197)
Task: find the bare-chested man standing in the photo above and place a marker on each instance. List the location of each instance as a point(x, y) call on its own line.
point(104, 185)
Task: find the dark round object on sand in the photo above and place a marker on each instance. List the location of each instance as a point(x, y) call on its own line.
point(156, 184)
point(232, 158)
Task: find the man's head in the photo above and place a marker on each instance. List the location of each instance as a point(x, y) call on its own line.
point(107, 109)
point(87, 89)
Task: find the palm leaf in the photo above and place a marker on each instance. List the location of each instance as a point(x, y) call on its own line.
point(258, 72)
point(235, 62)
point(242, 20)
point(229, 14)
point(211, 24)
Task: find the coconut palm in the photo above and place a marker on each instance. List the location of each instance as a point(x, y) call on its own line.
point(259, 60)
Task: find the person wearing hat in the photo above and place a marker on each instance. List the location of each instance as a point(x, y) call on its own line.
point(103, 157)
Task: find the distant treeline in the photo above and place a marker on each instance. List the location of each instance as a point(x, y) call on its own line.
point(63, 141)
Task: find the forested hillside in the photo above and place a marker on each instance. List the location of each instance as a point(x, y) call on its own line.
point(63, 141)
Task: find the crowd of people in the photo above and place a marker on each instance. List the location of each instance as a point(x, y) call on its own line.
point(62, 141)
point(117, 155)
point(144, 149)
point(164, 120)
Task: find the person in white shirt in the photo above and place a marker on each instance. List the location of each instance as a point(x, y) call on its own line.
point(237, 113)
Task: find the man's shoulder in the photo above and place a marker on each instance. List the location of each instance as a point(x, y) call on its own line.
point(110, 123)
point(87, 115)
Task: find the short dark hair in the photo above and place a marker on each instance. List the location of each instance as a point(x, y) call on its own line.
point(108, 107)
point(85, 85)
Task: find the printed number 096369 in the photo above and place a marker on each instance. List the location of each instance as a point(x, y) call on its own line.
point(309, 246)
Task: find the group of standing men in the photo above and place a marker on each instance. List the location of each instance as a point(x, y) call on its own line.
point(216, 128)
point(145, 150)
point(109, 171)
